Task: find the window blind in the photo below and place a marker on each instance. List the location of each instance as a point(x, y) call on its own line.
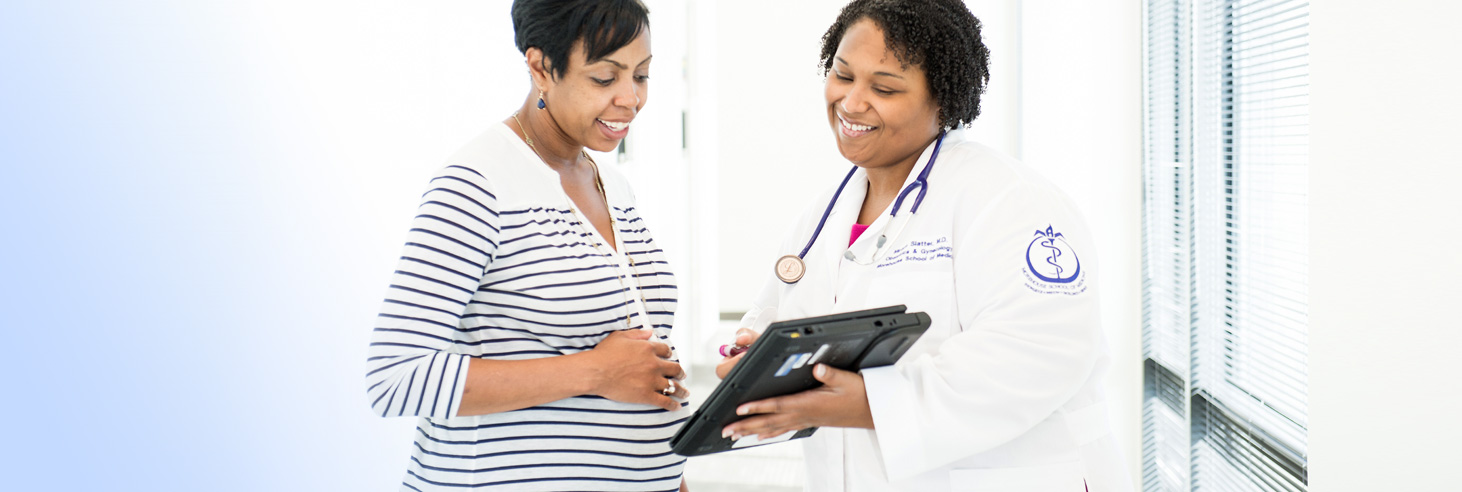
point(1167, 234)
point(1225, 245)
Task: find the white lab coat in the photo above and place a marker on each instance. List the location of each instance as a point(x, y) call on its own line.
point(1004, 391)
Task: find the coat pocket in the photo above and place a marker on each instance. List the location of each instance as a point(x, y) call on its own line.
point(1059, 477)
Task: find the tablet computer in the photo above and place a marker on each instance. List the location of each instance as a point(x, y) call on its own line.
point(781, 362)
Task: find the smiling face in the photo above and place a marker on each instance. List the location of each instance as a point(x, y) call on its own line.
point(881, 111)
point(595, 100)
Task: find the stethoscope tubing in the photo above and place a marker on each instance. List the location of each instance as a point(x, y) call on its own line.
point(823, 221)
point(921, 182)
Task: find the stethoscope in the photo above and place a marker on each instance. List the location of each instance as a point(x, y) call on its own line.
point(790, 268)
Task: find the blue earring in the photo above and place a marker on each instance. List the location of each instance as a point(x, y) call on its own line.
point(541, 104)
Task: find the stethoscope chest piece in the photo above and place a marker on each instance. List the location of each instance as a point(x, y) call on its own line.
point(790, 269)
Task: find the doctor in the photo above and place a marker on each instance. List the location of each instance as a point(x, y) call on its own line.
point(1004, 392)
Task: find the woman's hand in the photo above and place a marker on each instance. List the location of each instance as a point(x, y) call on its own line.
point(840, 402)
point(744, 338)
point(627, 367)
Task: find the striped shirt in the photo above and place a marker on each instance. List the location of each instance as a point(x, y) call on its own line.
point(498, 265)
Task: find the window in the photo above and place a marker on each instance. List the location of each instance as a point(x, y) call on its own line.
point(1225, 245)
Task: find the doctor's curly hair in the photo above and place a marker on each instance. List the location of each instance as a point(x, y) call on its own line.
point(940, 36)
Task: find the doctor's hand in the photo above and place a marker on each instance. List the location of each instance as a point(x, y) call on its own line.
point(842, 401)
point(744, 338)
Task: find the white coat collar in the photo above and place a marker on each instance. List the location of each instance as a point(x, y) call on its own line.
point(851, 202)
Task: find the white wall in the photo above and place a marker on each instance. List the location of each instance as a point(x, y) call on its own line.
point(1385, 276)
point(774, 149)
point(999, 124)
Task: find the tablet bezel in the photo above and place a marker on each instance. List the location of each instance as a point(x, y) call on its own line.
point(881, 335)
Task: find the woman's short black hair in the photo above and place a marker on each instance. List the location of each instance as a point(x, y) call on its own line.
point(554, 26)
point(940, 36)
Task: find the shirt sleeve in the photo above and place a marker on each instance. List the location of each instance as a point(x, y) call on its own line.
point(410, 367)
point(1025, 346)
point(763, 310)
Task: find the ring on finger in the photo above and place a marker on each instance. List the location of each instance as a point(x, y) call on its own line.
point(669, 390)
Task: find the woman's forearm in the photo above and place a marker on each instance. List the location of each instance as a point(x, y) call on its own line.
point(625, 366)
point(503, 385)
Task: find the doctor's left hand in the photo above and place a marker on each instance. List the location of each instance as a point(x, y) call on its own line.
point(840, 402)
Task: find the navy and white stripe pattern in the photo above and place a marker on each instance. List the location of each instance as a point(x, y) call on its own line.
point(497, 266)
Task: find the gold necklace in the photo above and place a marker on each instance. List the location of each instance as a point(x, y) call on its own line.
point(599, 184)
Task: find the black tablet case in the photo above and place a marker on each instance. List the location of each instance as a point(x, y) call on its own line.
point(856, 340)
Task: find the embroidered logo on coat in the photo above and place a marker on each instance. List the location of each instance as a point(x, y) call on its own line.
point(1052, 265)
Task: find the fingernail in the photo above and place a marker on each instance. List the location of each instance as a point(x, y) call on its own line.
point(821, 370)
point(725, 433)
point(735, 437)
point(743, 411)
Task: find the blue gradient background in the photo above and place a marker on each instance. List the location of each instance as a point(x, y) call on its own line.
point(201, 205)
